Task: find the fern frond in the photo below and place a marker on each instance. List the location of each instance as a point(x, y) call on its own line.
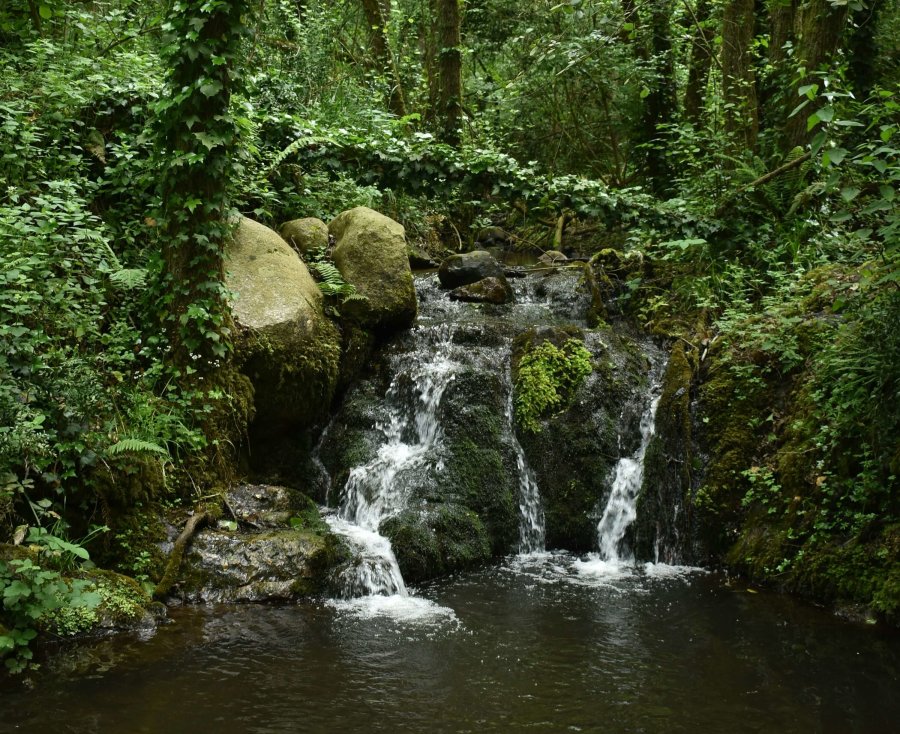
point(128, 279)
point(135, 446)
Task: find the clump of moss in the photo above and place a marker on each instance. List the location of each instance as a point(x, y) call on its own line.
point(547, 379)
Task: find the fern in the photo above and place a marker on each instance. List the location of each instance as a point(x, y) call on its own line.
point(128, 279)
point(332, 283)
point(135, 446)
point(301, 142)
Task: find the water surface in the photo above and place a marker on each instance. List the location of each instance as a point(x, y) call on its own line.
point(545, 643)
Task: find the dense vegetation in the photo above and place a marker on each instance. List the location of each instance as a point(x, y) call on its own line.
point(747, 150)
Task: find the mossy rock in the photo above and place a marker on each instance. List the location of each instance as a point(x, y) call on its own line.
point(573, 453)
point(123, 606)
point(437, 540)
point(467, 268)
point(305, 235)
point(287, 346)
point(494, 290)
point(371, 254)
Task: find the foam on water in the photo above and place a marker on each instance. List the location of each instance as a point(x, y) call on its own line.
point(405, 609)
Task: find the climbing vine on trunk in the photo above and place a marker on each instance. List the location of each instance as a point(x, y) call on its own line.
point(198, 139)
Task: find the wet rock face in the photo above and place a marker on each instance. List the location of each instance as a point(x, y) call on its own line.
point(574, 452)
point(280, 550)
point(487, 290)
point(468, 268)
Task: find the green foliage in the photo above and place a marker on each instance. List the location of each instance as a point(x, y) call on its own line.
point(32, 594)
point(547, 380)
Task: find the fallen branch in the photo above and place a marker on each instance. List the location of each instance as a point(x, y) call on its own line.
point(764, 179)
point(173, 565)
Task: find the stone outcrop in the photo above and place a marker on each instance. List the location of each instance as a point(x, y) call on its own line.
point(287, 346)
point(468, 268)
point(371, 254)
point(278, 549)
point(488, 290)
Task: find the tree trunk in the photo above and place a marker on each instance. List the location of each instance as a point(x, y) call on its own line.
point(738, 78)
point(199, 138)
point(698, 68)
point(660, 105)
point(450, 77)
point(781, 22)
point(818, 27)
point(381, 51)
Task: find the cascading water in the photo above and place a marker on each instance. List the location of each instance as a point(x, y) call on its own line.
point(372, 492)
point(621, 508)
point(532, 529)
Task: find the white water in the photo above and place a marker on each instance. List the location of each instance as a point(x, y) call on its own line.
point(621, 508)
point(532, 527)
point(372, 493)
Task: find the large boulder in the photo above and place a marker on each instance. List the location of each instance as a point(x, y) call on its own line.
point(278, 548)
point(305, 235)
point(371, 254)
point(288, 348)
point(468, 268)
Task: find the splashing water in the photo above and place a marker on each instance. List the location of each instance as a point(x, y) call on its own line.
point(621, 508)
point(532, 528)
point(372, 492)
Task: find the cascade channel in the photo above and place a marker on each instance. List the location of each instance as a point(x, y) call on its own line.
point(443, 392)
point(409, 434)
point(627, 477)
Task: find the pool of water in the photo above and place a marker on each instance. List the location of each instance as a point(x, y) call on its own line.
point(545, 643)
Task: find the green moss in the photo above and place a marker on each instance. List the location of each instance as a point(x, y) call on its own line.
point(437, 540)
point(547, 378)
point(480, 479)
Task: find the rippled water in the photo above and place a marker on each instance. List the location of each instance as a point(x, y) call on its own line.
point(546, 643)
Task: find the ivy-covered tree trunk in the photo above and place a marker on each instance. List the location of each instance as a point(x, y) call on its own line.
point(818, 27)
point(738, 77)
point(450, 88)
point(198, 136)
point(702, 40)
point(384, 56)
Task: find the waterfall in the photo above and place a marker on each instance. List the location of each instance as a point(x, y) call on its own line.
point(531, 510)
point(628, 474)
point(373, 491)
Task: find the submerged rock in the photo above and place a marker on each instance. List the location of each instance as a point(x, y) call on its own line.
point(305, 235)
point(488, 290)
point(288, 348)
point(371, 254)
point(468, 268)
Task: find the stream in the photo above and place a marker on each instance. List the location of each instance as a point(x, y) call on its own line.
point(543, 641)
point(531, 644)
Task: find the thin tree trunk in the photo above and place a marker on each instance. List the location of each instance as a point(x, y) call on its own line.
point(381, 51)
point(35, 17)
point(698, 67)
point(738, 78)
point(450, 59)
point(660, 105)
